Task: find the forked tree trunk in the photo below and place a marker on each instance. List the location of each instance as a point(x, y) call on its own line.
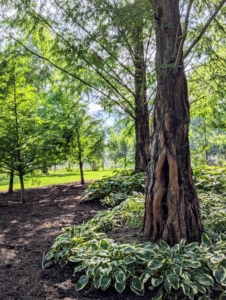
point(141, 106)
point(10, 190)
point(171, 206)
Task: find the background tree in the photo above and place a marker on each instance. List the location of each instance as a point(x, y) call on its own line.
point(112, 57)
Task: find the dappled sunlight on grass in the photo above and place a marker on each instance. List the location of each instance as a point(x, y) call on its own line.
point(58, 177)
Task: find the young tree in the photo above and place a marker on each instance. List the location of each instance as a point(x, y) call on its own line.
point(87, 138)
point(111, 57)
point(171, 207)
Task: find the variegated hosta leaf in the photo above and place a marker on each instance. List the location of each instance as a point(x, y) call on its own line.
point(120, 286)
point(156, 281)
point(220, 274)
point(185, 287)
point(105, 282)
point(83, 280)
point(119, 276)
point(205, 279)
point(137, 286)
point(155, 264)
point(173, 280)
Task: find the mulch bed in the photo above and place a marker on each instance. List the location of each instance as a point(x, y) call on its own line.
point(27, 232)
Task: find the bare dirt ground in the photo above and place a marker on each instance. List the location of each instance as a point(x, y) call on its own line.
point(28, 230)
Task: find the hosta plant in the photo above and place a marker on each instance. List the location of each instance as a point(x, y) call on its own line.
point(191, 269)
point(119, 184)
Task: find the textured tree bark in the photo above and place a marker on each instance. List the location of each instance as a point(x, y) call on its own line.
point(10, 190)
point(171, 205)
point(141, 106)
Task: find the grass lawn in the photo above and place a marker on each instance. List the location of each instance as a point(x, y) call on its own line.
point(54, 177)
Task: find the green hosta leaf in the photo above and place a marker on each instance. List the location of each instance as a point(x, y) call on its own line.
point(159, 295)
point(90, 272)
point(97, 282)
point(216, 260)
point(182, 243)
point(83, 280)
point(145, 276)
point(206, 240)
point(120, 286)
point(156, 281)
point(191, 294)
point(199, 287)
point(167, 285)
point(177, 270)
point(191, 247)
point(195, 264)
point(63, 263)
point(164, 245)
point(104, 244)
point(174, 280)
point(129, 260)
point(178, 259)
point(205, 279)
point(75, 258)
point(79, 268)
point(186, 276)
point(128, 249)
point(220, 274)
point(185, 288)
point(105, 282)
point(223, 237)
point(106, 271)
point(137, 286)
point(155, 264)
point(189, 254)
point(119, 276)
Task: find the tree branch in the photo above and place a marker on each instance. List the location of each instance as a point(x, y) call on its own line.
point(204, 28)
point(76, 77)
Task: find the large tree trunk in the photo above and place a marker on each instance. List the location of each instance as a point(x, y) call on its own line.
point(171, 206)
point(10, 190)
point(141, 106)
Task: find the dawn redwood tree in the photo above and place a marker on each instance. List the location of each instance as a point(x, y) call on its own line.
point(171, 206)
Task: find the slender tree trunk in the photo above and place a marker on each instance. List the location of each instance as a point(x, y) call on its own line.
point(80, 156)
point(10, 190)
point(22, 190)
point(141, 106)
point(171, 205)
point(81, 172)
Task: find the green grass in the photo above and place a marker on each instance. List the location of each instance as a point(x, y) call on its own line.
point(57, 177)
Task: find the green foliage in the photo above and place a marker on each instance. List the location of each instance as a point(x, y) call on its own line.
point(210, 178)
point(190, 269)
point(116, 187)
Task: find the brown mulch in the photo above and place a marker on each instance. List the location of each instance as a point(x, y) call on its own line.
point(27, 232)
